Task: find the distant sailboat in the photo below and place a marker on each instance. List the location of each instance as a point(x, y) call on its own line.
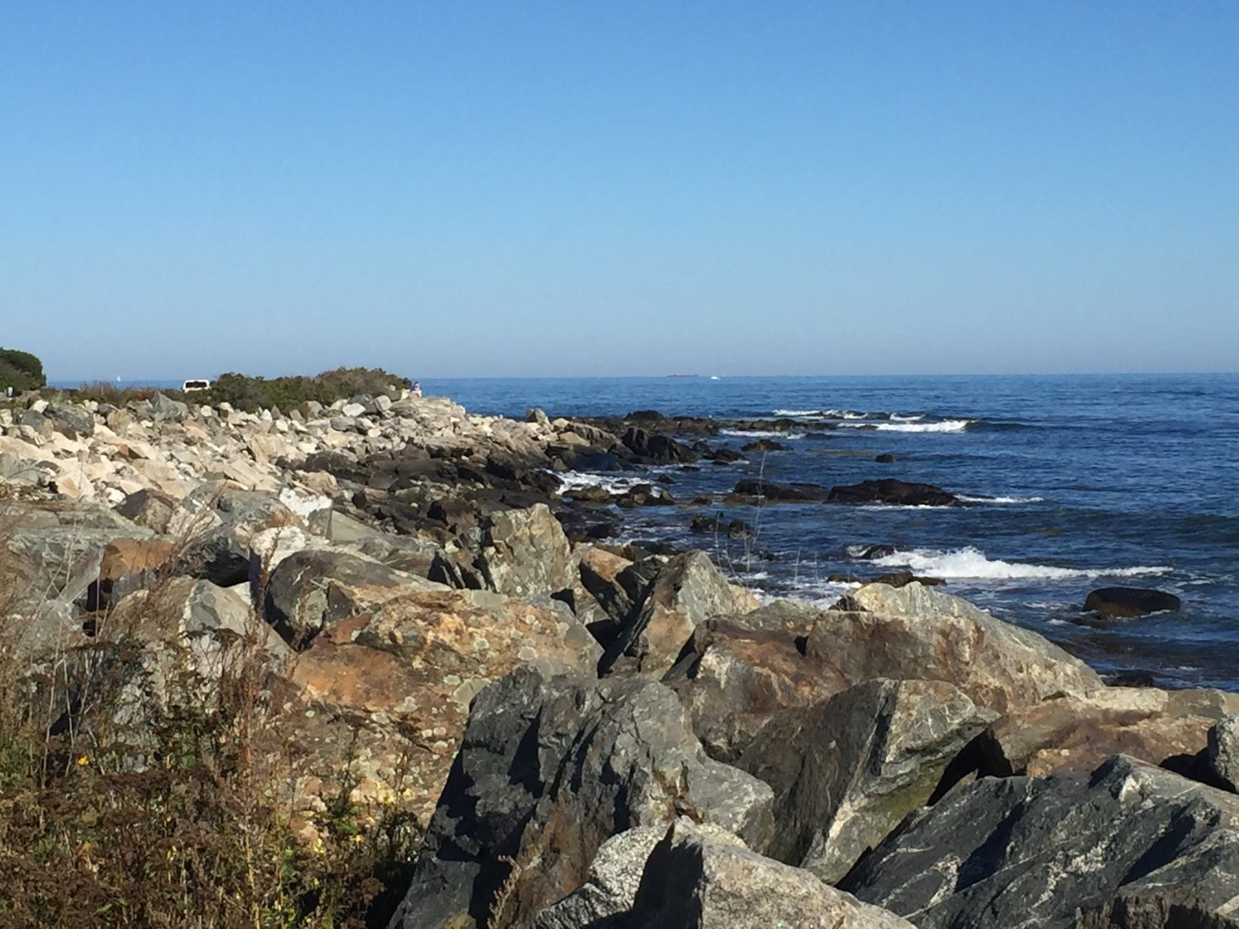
point(714, 377)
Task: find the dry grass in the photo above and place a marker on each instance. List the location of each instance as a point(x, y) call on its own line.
point(140, 788)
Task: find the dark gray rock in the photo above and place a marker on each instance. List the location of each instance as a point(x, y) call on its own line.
point(517, 552)
point(893, 491)
point(148, 507)
point(71, 420)
point(780, 493)
point(847, 770)
point(552, 764)
point(1042, 852)
point(658, 449)
point(686, 590)
point(214, 524)
point(1222, 752)
point(697, 880)
point(165, 408)
point(1127, 602)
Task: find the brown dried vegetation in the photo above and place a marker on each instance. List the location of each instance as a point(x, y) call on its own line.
point(138, 789)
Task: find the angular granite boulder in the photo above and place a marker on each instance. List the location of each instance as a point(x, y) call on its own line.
point(683, 591)
point(696, 880)
point(847, 770)
point(914, 632)
point(1043, 852)
point(551, 766)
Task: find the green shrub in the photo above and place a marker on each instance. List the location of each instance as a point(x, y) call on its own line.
point(20, 370)
point(287, 393)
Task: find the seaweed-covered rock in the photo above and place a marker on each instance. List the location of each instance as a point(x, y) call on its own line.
point(1127, 602)
point(893, 491)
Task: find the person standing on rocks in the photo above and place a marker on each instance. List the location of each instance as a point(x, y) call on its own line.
point(417, 388)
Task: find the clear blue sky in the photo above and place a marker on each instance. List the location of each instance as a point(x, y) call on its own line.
point(573, 188)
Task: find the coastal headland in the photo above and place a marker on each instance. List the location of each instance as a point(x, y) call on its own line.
point(375, 661)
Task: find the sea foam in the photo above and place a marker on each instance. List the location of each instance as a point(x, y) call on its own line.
point(946, 425)
point(577, 480)
point(760, 434)
point(972, 563)
point(977, 498)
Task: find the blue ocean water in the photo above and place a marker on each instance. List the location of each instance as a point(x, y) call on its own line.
point(1074, 482)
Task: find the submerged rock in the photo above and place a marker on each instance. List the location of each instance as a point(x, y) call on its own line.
point(893, 491)
point(780, 493)
point(1127, 602)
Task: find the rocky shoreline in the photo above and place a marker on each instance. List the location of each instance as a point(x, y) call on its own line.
point(595, 735)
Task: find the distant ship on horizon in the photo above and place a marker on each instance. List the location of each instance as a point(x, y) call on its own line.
point(683, 375)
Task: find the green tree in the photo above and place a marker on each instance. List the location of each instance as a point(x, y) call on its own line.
point(20, 370)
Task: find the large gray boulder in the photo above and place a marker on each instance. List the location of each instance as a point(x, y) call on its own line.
point(552, 764)
point(847, 770)
point(916, 632)
point(696, 880)
point(1222, 752)
point(54, 552)
point(733, 679)
point(611, 888)
point(520, 553)
point(525, 553)
point(1046, 852)
point(314, 588)
point(214, 525)
point(681, 592)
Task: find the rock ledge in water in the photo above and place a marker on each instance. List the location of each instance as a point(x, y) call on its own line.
point(1126, 602)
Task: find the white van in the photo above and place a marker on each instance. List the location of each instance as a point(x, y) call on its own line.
point(196, 384)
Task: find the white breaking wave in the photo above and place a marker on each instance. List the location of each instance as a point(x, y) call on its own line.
point(760, 434)
point(888, 507)
point(970, 498)
point(971, 563)
point(578, 480)
point(946, 425)
point(797, 413)
point(900, 418)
